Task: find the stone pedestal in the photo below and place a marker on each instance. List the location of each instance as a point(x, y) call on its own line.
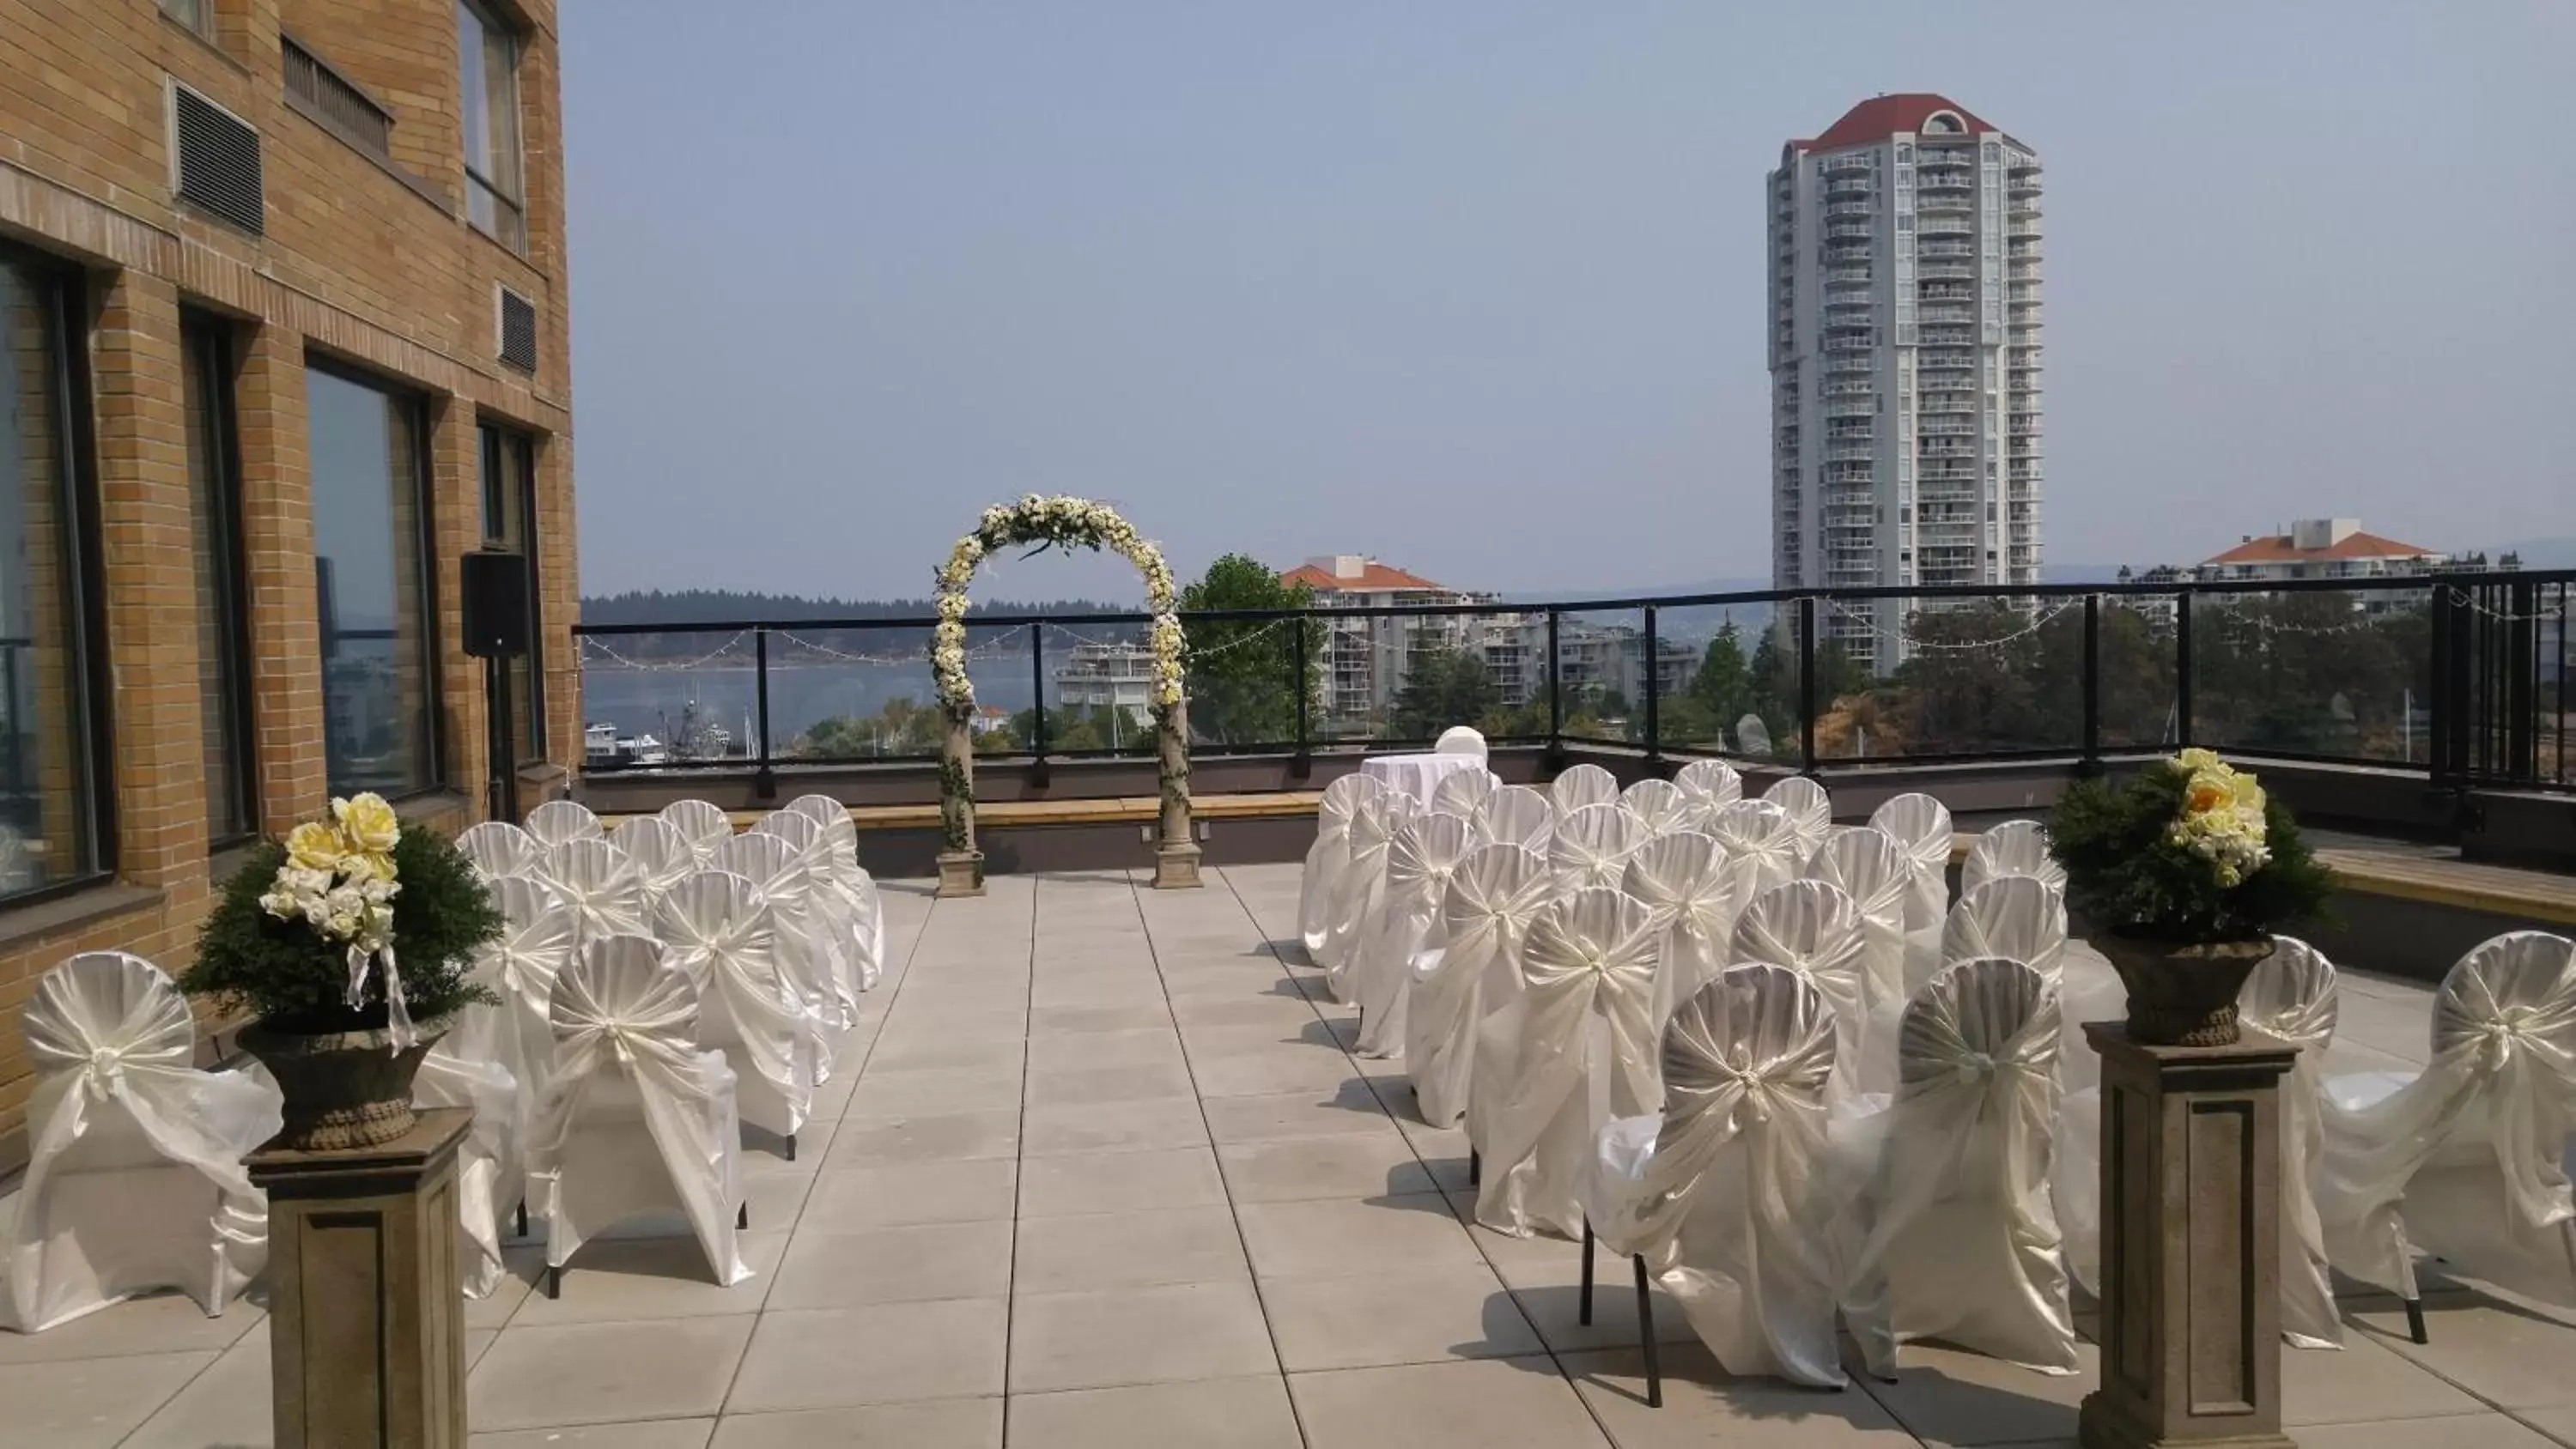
point(1176, 867)
point(961, 873)
point(2191, 1224)
point(366, 1298)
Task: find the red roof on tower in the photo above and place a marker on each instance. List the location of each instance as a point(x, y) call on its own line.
point(1372, 578)
point(1880, 117)
point(2280, 548)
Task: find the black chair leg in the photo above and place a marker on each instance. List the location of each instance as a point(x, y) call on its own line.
point(523, 1217)
point(2415, 1320)
point(554, 1282)
point(1583, 1305)
point(1646, 1335)
point(791, 1147)
point(742, 1217)
point(1475, 1167)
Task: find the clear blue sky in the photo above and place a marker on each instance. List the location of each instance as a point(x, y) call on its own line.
point(1477, 286)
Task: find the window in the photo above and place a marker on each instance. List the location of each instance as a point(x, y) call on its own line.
point(371, 579)
point(53, 746)
point(510, 521)
point(197, 15)
point(223, 609)
point(488, 57)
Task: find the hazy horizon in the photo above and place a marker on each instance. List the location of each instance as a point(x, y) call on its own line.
point(1477, 287)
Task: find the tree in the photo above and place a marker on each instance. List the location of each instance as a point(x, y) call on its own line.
point(1444, 687)
point(1243, 672)
point(1724, 684)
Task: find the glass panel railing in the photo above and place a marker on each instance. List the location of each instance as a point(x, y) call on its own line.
point(1098, 682)
point(2333, 674)
point(852, 694)
point(681, 697)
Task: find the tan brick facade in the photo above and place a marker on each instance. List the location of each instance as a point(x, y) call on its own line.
point(366, 260)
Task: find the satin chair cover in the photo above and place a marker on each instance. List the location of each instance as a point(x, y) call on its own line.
point(769, 862)
point(2466, 1159)
point(491, 1167)
point(1328, 858)
point(1517, 815)
point(1869, 867)
point(660, 852)
point(1419, 859)
point(1586, 1053)
point(718, 927)
point(824, 926)
point(1461, 792)
point(1361, 890)
point(1460, 740)
point(2019, 916)
point(134, 1179)
point(863, 907)
point(638, 1120)
point(1582, 785)
point(699, 823)
point(1591, 846)
point(1707, 787)
point(1696, 892)
point(1811, 810)
point(499, 849)
point(1920, 826)
point(1468, 964)
point(1726, 1194)
point(603, 887)
point(2016, 847)
point(1657, 804)
point(1763, 836)
point(557, 821)
point(1815, 930)
point(538, 927)
point(1952, 1231)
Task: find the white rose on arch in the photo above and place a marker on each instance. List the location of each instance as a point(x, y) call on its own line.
point(1070, 521)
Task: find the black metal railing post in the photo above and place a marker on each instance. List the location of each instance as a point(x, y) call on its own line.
point(2182, 668)
point(1807, 684)
point(2092, 683)
point(1654, 689)
point(2442, 728)
point(1301, 759)
point(1555, 698)
point(764, 779)
point(1037, 714)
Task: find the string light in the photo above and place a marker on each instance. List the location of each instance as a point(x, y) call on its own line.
point(2461, 598)
point(665, 666)
point(1902, 635)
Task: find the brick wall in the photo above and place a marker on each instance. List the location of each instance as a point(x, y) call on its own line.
point(365, 259)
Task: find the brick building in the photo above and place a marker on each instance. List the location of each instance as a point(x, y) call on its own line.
point(282, 336)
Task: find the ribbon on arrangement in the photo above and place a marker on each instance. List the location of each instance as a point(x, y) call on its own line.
point(398, 1028)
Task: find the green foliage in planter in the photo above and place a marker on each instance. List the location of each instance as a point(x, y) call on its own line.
point(284, 973)
point(2125, 873)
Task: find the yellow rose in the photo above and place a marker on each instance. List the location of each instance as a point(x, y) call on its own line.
point(2247, 794)
point(362, 868)
point(369, 823)
point(314, 846)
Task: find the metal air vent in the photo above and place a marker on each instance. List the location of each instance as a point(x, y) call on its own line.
point(217, 158)
point(518, 330)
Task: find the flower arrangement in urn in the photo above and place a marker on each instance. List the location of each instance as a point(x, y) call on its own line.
point(351, 943)
point(2182, 874)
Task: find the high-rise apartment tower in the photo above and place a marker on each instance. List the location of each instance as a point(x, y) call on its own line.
point(1905, 361)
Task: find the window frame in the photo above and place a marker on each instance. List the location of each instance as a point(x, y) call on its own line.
point(85, 558)
point(211, 343)
point(513, 234)
point(433, 685)
point(492, 438)
point(202, 26)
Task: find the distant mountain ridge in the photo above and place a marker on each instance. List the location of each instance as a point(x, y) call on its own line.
point(731, 606)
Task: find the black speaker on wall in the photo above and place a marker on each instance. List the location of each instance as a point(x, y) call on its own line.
point(495, 587)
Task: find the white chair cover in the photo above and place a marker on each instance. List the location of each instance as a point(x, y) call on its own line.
point(2466, 1160)
point(1424, 851)
point(823, 928)
point(1761, 834)
point(557, 821)
point(660, 852)
point(699, 823)
point(491, 1170)
point(1815, 930)
point(1954, 1234)
point(863, 907)
point(538, 927)
point(1461, 740)
point(1696, 891)
point(603, 887)
point(2016, 847)
point(1517, 815)
point(1580, 786)
point(1811, 810)
point(2019, 916)
point(1328, 858)
point(1726, 1194)
point(1866, 863)
point(1708, 786)
point(1586, 1053)
point(1920, 825)
point(719, 928)
point(1361, 890)
point(638, 1120)
point(499, 849)
point(1468, 964)
point(769, 862)
point(1658, 805)
point(134, 1178)
point(1591, 846)
point(1460, 792)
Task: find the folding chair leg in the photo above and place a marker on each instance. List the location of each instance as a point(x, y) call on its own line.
point(1646, 1334)
point(1475, 1167)
point(791, 1147)
point(523, 1218)
point(2415, 1320)
point(742, 1217)
point(554, 1282)
point(1583, 1313)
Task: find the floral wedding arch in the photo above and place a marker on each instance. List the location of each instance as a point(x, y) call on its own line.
point(1061, 523)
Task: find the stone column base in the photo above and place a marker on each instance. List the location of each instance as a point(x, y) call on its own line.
point(2100, 1427)
point(1176, 867)
point(366, 1326)
point(961, 873)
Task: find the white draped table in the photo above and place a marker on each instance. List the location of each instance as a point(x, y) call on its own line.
point(1417, 775)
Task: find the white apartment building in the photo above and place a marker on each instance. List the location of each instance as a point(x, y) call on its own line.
point(1905, 360)
point(1109, 674)
point(1366, 659)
